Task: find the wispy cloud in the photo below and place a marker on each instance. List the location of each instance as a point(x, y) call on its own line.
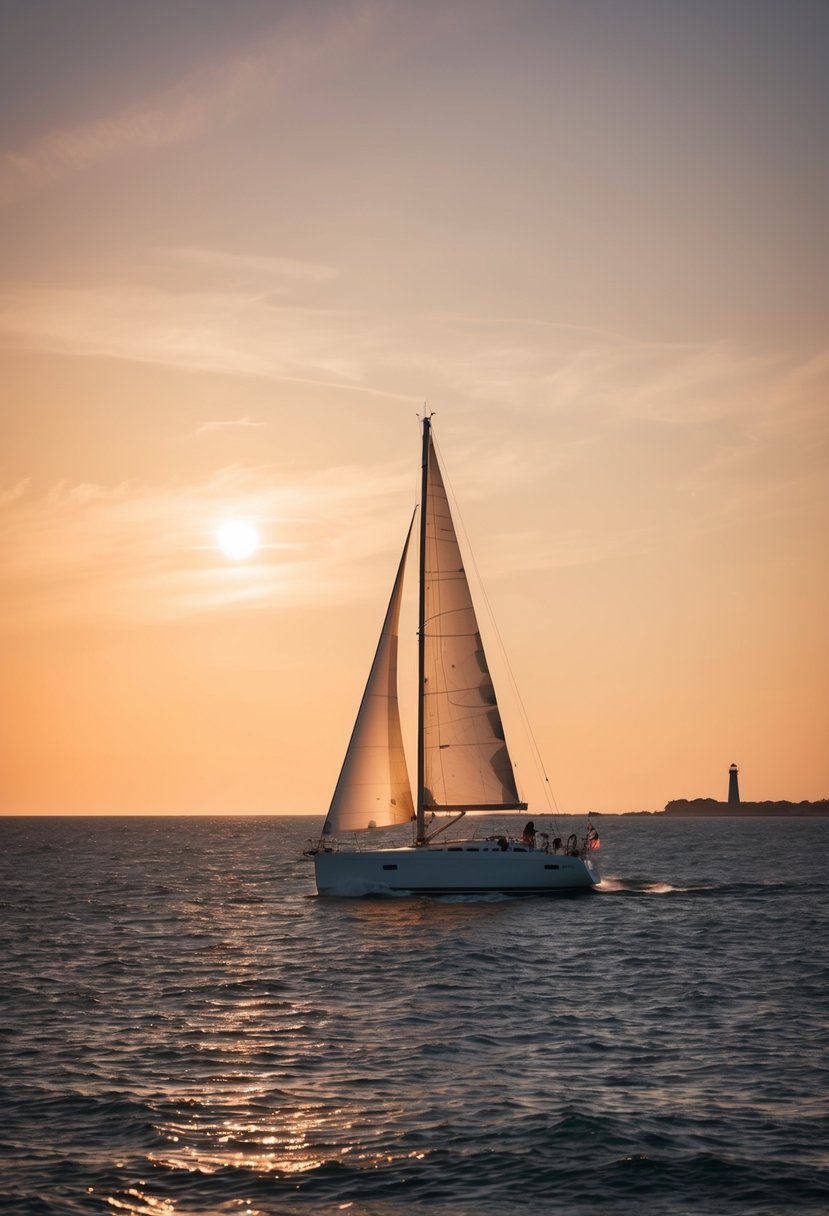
point(218, 329)
point(228, 424)
point(248, 266)
point(210, 97)
point(15, 491)
point(177, 114)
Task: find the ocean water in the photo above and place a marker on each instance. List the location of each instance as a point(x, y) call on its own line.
point(187, 1028)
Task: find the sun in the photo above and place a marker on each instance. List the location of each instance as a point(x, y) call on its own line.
point(238, 539)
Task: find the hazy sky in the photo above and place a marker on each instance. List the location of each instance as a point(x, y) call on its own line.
point(243, 243)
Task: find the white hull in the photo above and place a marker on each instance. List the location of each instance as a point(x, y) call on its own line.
point(463, 868)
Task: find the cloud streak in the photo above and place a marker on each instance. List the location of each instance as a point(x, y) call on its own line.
point(256, 268)
point(209, 98)
point(171, 117)
point(217, 330)
point(227, 329)
point(229, 424)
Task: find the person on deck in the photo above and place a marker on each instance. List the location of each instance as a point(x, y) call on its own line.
point(528, 835)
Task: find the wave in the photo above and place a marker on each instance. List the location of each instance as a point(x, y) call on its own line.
point(615, 885)
point(565, 1168)
point(349, 889)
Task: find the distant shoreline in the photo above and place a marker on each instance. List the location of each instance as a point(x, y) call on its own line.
point(709, 807)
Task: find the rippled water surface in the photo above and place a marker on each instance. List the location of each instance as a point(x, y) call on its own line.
point(187, 1028)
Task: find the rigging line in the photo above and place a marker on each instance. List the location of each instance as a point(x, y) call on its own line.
point(536, 752)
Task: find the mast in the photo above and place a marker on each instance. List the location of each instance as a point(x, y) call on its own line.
point(421, 631)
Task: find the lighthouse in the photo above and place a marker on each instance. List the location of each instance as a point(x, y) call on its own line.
point(733, 786)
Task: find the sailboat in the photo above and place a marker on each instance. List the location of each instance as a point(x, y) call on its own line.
point(463, 763)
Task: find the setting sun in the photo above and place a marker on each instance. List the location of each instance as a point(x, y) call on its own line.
point(238, 539)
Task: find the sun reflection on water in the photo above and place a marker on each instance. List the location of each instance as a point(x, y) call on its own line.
point(145, 1203)
point(256, 1095)
point(136, 1202)
point(281, 1141)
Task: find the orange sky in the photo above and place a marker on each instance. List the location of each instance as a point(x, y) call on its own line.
point(243, 244)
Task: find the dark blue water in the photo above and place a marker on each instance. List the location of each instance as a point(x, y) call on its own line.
point(187, 1028)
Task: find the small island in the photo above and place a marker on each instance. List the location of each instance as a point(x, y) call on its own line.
point(735, 806)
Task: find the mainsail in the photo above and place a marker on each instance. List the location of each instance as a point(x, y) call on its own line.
point(373, 788)
point(466, 764)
